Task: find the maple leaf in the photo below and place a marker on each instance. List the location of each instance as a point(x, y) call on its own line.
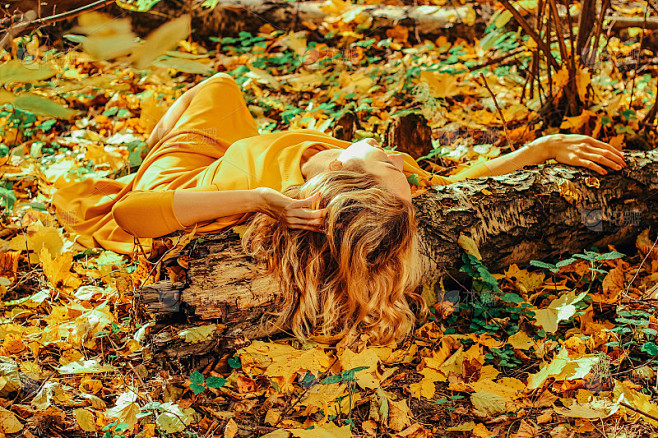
point(560, 309)
point(126, 408)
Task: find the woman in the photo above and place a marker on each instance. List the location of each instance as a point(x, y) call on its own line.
point(333, 220)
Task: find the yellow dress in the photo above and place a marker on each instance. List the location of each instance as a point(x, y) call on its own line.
point(215, 145)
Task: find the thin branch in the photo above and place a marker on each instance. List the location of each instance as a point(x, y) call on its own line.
point(502, 117)
point(627, 406)
point(530, 31)
point(639, 55)
point(60, 17)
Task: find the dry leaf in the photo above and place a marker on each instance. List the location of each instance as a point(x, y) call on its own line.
point(231, 429)
point(85, 419)
point(160, 40)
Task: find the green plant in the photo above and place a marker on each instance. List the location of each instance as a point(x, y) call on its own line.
point(114, 429)
point(198, 380)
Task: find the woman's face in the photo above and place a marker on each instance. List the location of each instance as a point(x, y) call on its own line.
point(387, 167)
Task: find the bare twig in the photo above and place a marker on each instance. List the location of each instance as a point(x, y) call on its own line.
point(639, 54)
point(531, 32)
point(57, 17)
point(500, 112)
point(626, 405)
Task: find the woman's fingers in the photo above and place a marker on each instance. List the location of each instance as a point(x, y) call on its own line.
point(601, 159)
point(307, 202)
point(607, 150)
point(603, 145)
point(306, 213)
point(584, 162)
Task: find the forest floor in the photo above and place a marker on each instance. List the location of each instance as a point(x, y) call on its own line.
point(561, 348)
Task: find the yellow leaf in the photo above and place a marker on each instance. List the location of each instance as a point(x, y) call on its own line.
point(641, 402)
point(520, 341)
point(481, 431)
point(58, 271)
point(231, 429)
point(592, 410)
point(17, 71)
point(576, 122)
point(425, 387)
point(366, 379)
point(327, 430)
point(160, 40)
point(398, 415)
point(488, 403)
point(84, 367)
point(10, 380)
point(42, 105)
point(85, 419)
point(563, 368)
point(469, 246)
point(279, 433)
point(454, 363)
point(464, 427)
point(282, 362)
point(9, 422)
point(503, 18)
point(197, 334)
point(560, 309)
point(126, 408)
point(440, 84)
point(508, 387)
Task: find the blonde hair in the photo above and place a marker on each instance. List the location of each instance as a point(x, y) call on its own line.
point(359, 277)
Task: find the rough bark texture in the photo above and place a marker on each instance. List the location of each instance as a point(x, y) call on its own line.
point(410, 133)
point(346, 126)
point(529, 214)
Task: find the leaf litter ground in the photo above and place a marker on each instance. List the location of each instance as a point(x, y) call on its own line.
point(563, 347)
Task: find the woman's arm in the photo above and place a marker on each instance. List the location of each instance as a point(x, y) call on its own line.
point(157, 213)
point(573, 149)
point(193, 207)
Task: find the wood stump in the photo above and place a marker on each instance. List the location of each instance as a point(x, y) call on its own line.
point(410, 133)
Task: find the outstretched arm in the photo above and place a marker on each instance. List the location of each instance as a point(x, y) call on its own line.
point(576, 150)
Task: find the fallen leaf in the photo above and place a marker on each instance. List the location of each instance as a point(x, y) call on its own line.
point(85, 419)
point(560, 309)
point(488, 404)
point(126, 408)
point(197, 334)
point(9, 422)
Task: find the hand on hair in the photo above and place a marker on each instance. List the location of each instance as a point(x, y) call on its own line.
point(581, 150)
point(294, 213)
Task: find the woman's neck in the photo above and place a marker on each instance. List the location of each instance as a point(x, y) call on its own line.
point(315, 161)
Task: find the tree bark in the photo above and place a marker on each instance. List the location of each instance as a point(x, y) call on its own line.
point(410, 133)
point(546, 211)
point(230, 17)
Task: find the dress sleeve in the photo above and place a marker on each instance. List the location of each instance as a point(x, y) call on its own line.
point(425, 178)
point(474, 171)
point(148, 213)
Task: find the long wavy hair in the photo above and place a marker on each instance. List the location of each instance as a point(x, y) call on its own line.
point(360, 276)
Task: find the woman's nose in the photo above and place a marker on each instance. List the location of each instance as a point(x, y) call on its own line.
point(397, 160)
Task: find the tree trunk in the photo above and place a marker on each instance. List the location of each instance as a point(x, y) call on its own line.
point(546, 211)
point(230, 17)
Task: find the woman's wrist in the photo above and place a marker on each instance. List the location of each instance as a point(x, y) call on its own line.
point(538, 151)
point(259, 199)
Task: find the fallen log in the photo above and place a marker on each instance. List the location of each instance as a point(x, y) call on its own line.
point(230, 17)
point(545, 211)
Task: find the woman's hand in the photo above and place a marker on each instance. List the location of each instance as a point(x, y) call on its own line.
point(580, 150)
point(294, 213)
